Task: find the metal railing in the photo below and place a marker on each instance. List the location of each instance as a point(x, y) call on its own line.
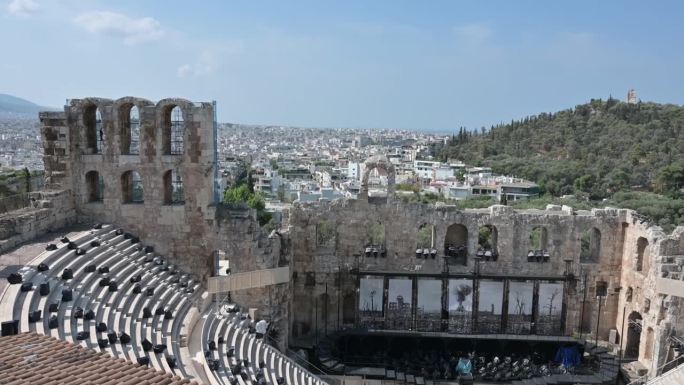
point(298, 361)
point(248, 280)
point(643, 380)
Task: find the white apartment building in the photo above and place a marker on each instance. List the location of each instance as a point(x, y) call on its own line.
point(354, 171)
point(423, 168)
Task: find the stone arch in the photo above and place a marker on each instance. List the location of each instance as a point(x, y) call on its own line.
point(487, 236)
point(539, 238)
point(173, 188)
point(94, 186)
point(128, 111)
point(132, 190)
point(456, 243)
point(642, 245)
point(376, 234)
point(425, 238)
point(94, 131)
point(173, 115)
point(590, 245)
point(633, 335)
point(379, 163)
point(538, 243)
point(93, 117)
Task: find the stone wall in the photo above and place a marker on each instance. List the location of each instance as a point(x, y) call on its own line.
point(49, 211)
point(662, 314)
point(249, 248)
point(322, 271)
point(352, 220)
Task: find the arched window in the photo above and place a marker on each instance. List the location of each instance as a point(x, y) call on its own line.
point(486, 243)
point(538, 245)
point(375, 240)
point(635, 323)
point(173, 131)
point(100, 131)
point(642, 244)
point(629, 294)
point(590, 246)
point(456, 244)
point(94, 186)
point(92, 119)
point(132, 187)
point(425, 241)
point(376, 233)
point(173, 188)
point(129, 116)
point(538, 238)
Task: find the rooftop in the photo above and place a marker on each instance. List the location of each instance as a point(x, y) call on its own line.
point(30, 358)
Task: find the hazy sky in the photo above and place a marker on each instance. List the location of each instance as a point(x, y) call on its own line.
point(403, 64)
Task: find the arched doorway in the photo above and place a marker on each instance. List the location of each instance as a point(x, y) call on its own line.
point(94, 186)
point(642, 244)
point(486, 243)
point(425, 241)
point(456, 244)
point(590, 246)
point(633, 335)
point(348, 309)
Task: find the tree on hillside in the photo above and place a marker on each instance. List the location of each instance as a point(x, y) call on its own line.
point(671, 178)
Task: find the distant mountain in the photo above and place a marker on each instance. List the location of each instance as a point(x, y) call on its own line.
point(12, 105)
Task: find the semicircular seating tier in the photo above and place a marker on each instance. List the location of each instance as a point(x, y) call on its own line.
point(102, 289)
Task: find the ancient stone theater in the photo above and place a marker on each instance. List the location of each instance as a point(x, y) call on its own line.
point(128, 251)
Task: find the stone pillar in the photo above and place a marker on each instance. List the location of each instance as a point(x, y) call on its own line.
point(56, 154)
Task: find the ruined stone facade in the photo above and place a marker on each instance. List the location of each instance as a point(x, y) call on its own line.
point(624, 259)
point(88, 151)
point(48, 211)
point(613, 252)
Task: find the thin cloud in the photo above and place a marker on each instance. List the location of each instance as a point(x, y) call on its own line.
point(206, 64)
point(22, 8)
point(184, 71)
point(474, 33)
point(133, 30)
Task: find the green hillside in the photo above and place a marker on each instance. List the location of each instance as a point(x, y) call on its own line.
point(630, 154)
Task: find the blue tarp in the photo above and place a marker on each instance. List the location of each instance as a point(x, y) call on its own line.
point(568, 356)
point(464, 366)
